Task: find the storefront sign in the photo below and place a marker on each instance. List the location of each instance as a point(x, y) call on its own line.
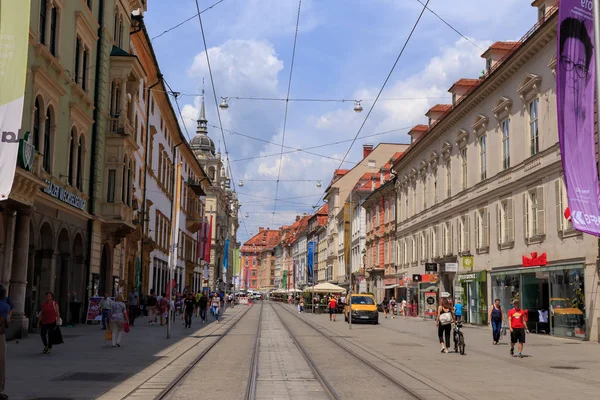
point(431, 268)
point(451, 267)
point(416, 278)
point(467, 262)
point(430, 303)
point(535, 260)
point(64, 195)
point(475, 276)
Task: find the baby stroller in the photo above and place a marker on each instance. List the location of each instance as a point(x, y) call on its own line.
point(459, 339)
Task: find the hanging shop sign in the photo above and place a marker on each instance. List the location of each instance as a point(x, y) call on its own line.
point(451, 267)
point(431, 268)
point(467, 262)
point(535, 260)
point(64, 195)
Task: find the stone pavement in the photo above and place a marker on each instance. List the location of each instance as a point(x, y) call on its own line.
point(86, 366)
point(554, 368)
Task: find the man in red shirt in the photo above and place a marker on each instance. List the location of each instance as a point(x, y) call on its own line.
point(517, 323)
point(332, 307)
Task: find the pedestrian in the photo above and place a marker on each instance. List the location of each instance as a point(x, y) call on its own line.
point(188, 309)
point(152, 303)
point(198, 297)
point(458, 310)
point(496, 318)
point(517, 323)
point(301, 305)
point(393, 307)
point(5, 313)
point(403, 307)
point(332, 308)
point(163, 305)
point(105, 305)
point(203, 305)
point(118, 317)
point(215, 305)
point(443, 322)
point(48, 319)
point(385, 304)
point(134, 304)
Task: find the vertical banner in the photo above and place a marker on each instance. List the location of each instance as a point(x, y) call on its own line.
point(310, 261)
point(208, 242)
point(226, 256)
point(14, 45)
point(575, 80)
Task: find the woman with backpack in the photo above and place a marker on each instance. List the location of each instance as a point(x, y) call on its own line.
point(444, 320)
point(496, 318)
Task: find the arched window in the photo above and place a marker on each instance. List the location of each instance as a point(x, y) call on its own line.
point(73, 144)
point(80, 163)
point(124, 182)
point(47, 140)
point(36, 124)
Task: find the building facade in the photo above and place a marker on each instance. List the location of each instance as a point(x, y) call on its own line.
point(481, 195)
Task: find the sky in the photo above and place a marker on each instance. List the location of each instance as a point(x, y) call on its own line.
point(345, 49)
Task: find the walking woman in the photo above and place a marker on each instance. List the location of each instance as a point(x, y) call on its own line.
point(496, 318)
point(118, 316)
point(385, 304)
point(215, 305)
point(48, 318)
point(444, 321)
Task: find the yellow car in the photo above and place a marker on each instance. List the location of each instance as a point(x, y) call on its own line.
point(364, 308)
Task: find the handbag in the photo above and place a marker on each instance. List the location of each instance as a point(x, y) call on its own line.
point(108, 335)
point(504, 329)
point(126, 327)
point(56, 336)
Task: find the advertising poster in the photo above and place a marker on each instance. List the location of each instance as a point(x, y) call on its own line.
point(93, 312)
point(430, 303)
point(575, 79)
point(14, 44)
point(311, 261)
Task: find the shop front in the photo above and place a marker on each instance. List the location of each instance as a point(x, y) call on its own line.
point(553, 296)
point(471, 290)
point(390, 285)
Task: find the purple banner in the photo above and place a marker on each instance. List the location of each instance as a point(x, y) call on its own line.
point(575, 79)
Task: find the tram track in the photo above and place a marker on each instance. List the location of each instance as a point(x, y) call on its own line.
point(252, 377)
point(334, 338)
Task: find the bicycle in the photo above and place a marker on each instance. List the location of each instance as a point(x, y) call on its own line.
point(459, 339)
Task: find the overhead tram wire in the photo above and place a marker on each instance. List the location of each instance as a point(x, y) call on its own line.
point(286, 106)
point(450, 26)
point(382, 88)
point(187, 20)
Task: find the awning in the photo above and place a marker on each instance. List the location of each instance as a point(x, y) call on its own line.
point(390, 286)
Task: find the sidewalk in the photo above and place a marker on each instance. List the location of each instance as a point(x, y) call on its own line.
point(86, 365)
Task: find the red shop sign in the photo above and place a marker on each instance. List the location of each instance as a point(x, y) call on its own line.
point(535, 260)
point(389, 281)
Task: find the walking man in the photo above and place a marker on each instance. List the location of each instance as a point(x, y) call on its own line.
point(202, 305)
point(152, 303)
point(332, 307)
point(517, 323)
point(134, 304)
point(105, 307)
point(188, 309)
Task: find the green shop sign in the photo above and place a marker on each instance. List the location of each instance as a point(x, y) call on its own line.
point(480, 276)
point(26, 152)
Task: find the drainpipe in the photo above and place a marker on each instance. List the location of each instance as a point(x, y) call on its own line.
point(94, 149)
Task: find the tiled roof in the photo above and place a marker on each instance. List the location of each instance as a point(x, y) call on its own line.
point(324, 209)
point(419, 128)
point(267, 238)
point(341, 171)
point(504, 45)
point(439, 108)
point(465, 82)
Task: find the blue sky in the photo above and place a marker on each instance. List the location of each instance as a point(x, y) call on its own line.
point(345, 50)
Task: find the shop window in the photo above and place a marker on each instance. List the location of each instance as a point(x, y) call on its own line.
point(567, 303)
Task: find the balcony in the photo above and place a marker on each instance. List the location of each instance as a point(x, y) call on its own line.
point(119, 218)
point(193, 222)
point(196, 186)
point(121, 131)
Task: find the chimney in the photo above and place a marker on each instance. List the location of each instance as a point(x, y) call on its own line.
point(367, 149)
point(261, 229)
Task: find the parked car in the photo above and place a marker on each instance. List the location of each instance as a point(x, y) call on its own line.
point(364, 308)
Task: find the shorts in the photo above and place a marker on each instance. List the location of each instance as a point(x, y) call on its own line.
point(517, 335)
point(332, 311)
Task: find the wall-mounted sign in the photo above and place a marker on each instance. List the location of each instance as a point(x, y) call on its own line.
point(64, 195)
point(26, 152)
point(467, 262)
point(467, 277)
point(451, 267)
point(417, 278)
point(431, 268)
point(535, 260)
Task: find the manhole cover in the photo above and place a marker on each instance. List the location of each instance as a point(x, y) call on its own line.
point(93, 377)
point(563, 367)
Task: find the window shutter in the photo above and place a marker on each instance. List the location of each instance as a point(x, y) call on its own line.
point(559, 207)
point(525, 216)
point(498, 223)
point(426, 240)
point(467, 233)
point(451, 244)
point(486, 230)
point(438, 244)
point(541, 214)
point(510, 225)
point(477, 241)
